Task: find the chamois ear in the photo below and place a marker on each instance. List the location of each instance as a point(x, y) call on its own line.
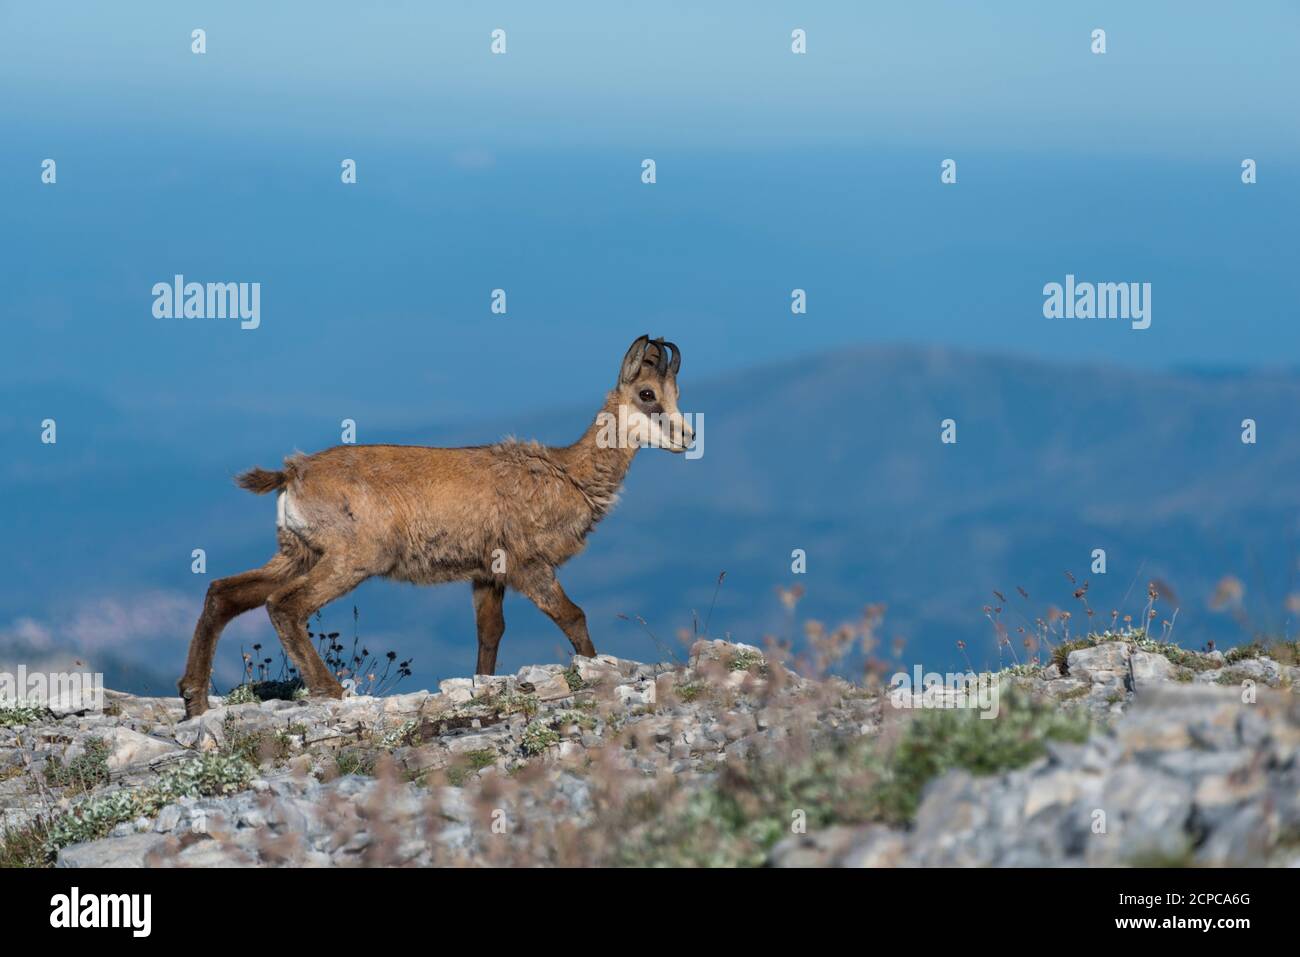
point(632, 361)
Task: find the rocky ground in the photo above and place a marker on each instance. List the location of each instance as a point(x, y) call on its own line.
point(1121, 751)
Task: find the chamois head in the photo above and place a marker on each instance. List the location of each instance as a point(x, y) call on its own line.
point(647, 388)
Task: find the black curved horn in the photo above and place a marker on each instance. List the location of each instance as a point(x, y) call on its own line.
point(661, 362)
point(675, 362)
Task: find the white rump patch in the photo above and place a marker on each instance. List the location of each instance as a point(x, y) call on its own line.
point(286, 515)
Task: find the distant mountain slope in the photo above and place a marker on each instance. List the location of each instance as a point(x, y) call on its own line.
point(838, 455)
point(842, 457)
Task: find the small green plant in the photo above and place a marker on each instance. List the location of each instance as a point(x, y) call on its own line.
point(354, 761)
point(1254, 649)
point(399, 736)
point(689, 691)
point(83, 773)
point(1155, 857)
point(93, 820)
point(242, 695)
point(24, 846)
point(938, 740)
point(747, 660)
point(480, 758)
point(582, 719)
point(537, 737)
point(19, 714)
point(256, 747)
point(1061, 653)
point(211, 775)
point(508, 702)
point(1026, 670)
point(471, 762)
point(574, 680)
point(844, 780)
point(527, 704)
point(1139, 639)
point(1284, 652)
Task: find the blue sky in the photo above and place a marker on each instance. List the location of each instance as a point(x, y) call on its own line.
point(521, 171)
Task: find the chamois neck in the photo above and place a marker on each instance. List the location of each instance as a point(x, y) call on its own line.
point(597, 464)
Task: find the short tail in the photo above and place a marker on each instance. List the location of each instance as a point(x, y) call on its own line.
point(261, 481)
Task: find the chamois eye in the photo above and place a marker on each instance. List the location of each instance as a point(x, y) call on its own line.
point(647, 395)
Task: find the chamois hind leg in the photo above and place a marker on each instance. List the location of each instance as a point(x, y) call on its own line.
point(294, 603)
point(226, 599)
point(488, 596)
point(542, 588)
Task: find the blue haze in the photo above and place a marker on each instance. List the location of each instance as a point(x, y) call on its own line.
point(775, 171)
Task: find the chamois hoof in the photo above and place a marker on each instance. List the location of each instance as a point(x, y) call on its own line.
point(195, 704)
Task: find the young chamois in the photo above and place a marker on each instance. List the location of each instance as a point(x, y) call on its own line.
point(494, 515)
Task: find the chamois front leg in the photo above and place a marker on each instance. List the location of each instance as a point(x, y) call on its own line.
point(488, 597)
point(542, 588)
